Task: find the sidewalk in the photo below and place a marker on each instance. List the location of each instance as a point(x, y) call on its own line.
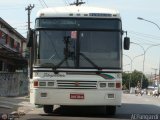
point(15, 105)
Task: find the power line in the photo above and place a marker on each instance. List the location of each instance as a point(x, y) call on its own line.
point(41, 3)
point(69, 1)
point(145, 38)
point(45, 3)
point(141, 41)
point(144, 35)
point(66, 2)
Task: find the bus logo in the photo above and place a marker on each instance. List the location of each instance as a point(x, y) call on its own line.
point(76, 84)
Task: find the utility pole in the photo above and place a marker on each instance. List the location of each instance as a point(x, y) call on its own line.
point(158, 84)
point(77, 3)
point(155, 73)
point(29, 8)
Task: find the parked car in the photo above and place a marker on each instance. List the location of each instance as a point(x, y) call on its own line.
point(153, 91)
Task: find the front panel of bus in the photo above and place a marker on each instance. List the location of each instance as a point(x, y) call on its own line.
point(77, 61)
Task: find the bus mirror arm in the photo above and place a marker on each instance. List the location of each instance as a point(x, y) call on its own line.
point(30, 38)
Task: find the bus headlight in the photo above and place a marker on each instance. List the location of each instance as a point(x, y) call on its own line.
point(50, 83)
point(102, 85)
point(42, 84)
point(111, 85)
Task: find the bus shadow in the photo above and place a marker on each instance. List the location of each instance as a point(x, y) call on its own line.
point(125, 112)
point(85, 111)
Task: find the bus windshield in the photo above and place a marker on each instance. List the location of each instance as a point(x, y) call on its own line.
point(80, 48)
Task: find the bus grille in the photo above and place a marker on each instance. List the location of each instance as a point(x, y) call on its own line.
point(74, 84)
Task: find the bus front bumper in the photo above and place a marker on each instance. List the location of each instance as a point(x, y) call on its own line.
point(75, 97)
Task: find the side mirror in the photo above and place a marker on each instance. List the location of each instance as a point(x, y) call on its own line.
point(126, 43)
point(30, 38)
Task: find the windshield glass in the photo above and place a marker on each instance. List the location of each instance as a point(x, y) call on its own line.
point(83, 48)
point(103, 48)
point(52, 48)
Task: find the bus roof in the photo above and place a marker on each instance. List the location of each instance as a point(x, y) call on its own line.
point(78, 11)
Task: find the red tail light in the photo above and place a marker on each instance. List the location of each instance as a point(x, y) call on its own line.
point(118, 85)
point(35, 83)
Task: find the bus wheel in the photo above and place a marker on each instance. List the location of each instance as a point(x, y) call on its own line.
point(110, 110)
point(48, 108)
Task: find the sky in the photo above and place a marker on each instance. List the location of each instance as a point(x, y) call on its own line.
point(142, 34)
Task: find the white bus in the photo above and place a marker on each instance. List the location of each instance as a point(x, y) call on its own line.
point(76, 58)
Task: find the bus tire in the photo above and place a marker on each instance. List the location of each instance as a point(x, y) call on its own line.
point(48, 108)
point(110, 110)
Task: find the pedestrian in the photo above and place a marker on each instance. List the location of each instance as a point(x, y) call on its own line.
point(138, 88)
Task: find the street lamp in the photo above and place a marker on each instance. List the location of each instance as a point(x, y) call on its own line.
point(131, 59)
point(155, 69)
point(139, 18)
point(156, 26)
point(144, 53)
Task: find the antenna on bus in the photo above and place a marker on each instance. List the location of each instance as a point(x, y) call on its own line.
point(77, 3)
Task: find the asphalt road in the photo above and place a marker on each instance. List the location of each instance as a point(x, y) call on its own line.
point(133, 106)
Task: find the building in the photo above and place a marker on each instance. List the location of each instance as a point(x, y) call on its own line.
point(12, 49)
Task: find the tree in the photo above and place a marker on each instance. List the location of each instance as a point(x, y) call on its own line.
point(135, 77)
point(125, 80)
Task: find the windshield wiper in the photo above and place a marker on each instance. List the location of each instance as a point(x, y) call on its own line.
point(84, 56)
point(52, 57)
point(90, 61)
point(67, 52)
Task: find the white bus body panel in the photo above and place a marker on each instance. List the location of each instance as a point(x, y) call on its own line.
point(78, 11)
point(60, 95)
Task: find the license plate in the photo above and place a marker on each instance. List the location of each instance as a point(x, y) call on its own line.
point(76, 96)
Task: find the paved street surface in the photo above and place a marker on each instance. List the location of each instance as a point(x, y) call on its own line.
point(15, 105)
point(132, 105)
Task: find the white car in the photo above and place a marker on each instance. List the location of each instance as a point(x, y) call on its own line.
point(155, 92)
